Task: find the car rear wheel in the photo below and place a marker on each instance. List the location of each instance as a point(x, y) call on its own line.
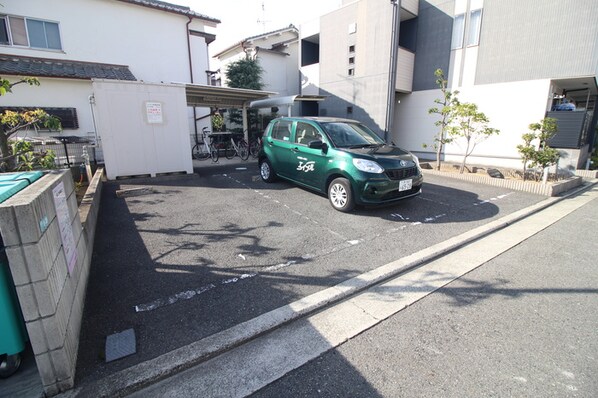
point(340, 195)
point(266, 171)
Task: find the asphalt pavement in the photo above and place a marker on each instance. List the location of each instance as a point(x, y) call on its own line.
point(511, 314)
point(202, 256)
point(522, 325)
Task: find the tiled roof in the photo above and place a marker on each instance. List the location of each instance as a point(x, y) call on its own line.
point(43, 67)
point(169, 7)
point(290, 28)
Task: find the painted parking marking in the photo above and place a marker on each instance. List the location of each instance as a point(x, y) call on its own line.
point(189, 294)
point(286, 206)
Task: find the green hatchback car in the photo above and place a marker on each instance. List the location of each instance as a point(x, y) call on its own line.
point(341, 158)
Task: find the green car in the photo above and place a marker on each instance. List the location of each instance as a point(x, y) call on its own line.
point(341, 158)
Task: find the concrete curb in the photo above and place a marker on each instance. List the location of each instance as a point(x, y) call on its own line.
point(163, 366)
point(551, 189)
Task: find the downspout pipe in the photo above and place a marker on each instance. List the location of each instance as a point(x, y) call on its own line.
point(392, 72)
point(191, 73)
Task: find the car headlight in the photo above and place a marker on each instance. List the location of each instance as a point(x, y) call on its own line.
point(416, 160)
point(367, 166)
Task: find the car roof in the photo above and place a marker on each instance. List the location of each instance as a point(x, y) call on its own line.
point(321, 119)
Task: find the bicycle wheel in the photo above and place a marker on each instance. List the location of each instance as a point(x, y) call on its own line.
point(229, 151)
point(254, 148)
point(199, 152)
point(214, 154)
point(243, 150)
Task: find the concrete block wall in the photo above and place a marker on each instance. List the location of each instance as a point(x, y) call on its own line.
point(51, 299)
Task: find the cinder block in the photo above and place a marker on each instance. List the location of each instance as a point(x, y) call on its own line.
point(8, 225)
point(18, 265)
point(41, 255)
point(62, 364)
point(35, 208)
point(54, 332)
point(66, 384)
point(37, 336)
point(51, 389)
point(46, 299)
point(28, 302)
point(46, 372)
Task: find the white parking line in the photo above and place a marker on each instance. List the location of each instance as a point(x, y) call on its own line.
point(189, 294)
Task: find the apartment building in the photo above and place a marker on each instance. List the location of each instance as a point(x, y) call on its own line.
point(517, 60)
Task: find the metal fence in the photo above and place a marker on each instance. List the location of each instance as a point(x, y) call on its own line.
point(69, 151)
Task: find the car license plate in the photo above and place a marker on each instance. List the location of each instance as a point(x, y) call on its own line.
point(405, 185)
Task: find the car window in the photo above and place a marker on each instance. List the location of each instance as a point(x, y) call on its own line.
point(305, 133)
point(282, 130)
point(346, 135)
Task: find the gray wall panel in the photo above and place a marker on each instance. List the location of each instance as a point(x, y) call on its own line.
point(433, 51)
point(526, 40)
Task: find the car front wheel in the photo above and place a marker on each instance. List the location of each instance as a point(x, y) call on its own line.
point(266, 171)
point(340, 195)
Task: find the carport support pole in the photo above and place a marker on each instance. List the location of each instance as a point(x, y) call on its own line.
point(245, 123)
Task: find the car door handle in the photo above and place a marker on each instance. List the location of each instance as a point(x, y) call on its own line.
point(295, 149)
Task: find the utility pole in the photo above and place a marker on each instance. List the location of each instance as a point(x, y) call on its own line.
point(392, 68)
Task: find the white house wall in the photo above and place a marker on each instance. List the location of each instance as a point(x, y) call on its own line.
point(152, 42)
point(511, 108)
point(68, 93)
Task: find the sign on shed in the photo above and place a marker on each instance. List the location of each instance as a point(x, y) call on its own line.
point(143, 128)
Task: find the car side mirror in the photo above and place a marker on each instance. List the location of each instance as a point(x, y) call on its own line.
point(318, 144)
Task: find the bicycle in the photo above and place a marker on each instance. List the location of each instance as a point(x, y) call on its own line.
point(255, 145)
point(239, 148)
point(203, 150)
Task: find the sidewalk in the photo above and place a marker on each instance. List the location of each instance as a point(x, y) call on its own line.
point(332, 319)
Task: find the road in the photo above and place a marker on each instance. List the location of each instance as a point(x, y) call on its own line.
point(522, 323)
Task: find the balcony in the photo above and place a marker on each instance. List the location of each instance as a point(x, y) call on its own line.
point(405, 64)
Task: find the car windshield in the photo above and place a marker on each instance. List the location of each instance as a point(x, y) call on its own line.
point(351, 135)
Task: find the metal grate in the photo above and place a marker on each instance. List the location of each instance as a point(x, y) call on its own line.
point(399, 174)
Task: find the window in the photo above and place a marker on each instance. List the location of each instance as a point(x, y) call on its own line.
point(351, 60)
point(68, 116)
point(351, 72)
point(20, 31)
point(475, 23)
point(458, 30)
point(4, 39)
point(352, 48)
point(306, 133)
point(282, 130)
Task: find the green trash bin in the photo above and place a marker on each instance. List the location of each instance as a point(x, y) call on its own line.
point(12, 325)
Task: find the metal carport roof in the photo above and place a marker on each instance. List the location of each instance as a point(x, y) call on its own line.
point(222, 97)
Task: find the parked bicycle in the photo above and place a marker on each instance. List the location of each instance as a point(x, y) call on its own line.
point(238, 147)
point(205, 149)
point(254, 146)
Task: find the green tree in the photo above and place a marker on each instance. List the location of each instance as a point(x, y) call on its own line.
point(446, 110)
point(244, 73)
point(11, 122)
point(472, 125)
point(544, 156)
point(527, 151)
